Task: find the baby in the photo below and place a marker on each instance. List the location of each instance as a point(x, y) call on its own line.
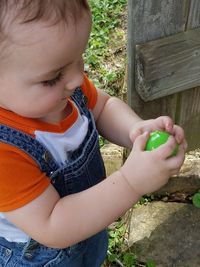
point(55, 202)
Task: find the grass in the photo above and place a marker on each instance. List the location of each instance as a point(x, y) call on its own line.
point(106, 44)
point(119, 253)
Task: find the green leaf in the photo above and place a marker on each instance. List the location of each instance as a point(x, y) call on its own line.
point(112, 257)
point(150, 263)
point(196, 200)
point(129, 259)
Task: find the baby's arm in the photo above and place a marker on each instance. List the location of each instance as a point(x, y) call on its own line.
point(59, 223)
point(114, 119)
point(118, 123)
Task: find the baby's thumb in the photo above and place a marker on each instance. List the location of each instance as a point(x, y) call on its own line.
point(134, 134)
point(140, 142)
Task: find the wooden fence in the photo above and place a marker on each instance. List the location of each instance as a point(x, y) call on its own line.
point(164, 62)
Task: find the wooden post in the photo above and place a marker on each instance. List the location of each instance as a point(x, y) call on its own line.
point(151, 20)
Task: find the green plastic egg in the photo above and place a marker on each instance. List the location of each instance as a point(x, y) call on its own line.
point(158, 138)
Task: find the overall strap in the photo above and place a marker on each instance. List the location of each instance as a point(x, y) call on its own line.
point(30, 146)
point(80, 100)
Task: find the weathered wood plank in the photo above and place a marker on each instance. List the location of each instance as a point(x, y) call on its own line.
point(168, 65)
point(149, 20)
point(188, 114)
point(194, 15)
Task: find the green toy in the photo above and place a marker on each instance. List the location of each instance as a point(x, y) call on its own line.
point(158, 138)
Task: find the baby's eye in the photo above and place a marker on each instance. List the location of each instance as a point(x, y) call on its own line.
point(53, 81)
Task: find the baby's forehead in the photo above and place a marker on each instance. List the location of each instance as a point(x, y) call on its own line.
point(21, 19)
point(30, 37)
point(41, 41)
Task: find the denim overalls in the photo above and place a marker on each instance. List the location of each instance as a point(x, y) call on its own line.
point(84, 169)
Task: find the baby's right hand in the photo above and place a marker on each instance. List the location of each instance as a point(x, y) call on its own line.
point(147, 171)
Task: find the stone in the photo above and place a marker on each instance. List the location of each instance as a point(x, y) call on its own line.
point(167, 233)
point(112, 156)
point(188, 179)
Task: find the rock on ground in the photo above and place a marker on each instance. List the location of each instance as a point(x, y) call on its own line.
point(167, 233)
point(112, 156)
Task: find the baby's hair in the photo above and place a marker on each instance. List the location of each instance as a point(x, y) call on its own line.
point(26, 11)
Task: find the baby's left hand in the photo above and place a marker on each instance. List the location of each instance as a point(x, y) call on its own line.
point(162, 123)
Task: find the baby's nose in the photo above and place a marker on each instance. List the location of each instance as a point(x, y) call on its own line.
point(74, 83)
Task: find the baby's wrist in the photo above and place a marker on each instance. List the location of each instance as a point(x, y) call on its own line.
point(126, 180)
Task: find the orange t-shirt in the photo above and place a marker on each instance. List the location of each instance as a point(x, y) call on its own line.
point(21, 179)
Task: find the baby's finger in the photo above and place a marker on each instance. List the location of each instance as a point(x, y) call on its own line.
point(178, 133)
point(164, 151)
point(133, 135)
point(140, 142)
point(175, 162)
point(185, 145)
point(165, 123)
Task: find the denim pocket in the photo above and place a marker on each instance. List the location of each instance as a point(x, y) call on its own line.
point(5, 254)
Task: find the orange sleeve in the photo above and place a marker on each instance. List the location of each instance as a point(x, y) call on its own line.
point(21, 180)
point(90, 92)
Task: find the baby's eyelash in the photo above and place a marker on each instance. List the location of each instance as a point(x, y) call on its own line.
point(54, 81)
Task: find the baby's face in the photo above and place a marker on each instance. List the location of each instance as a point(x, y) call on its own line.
point(43, 65)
